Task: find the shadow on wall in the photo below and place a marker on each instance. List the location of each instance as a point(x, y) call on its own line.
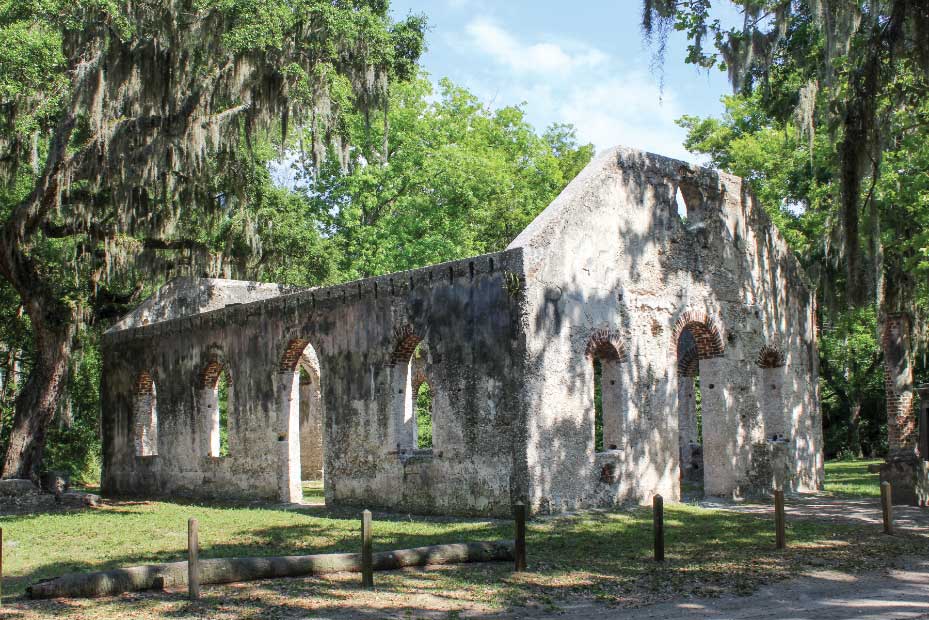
point(657, 275)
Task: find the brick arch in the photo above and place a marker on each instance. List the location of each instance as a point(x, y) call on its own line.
point(607, 345)
point(705, 331)
point(209, 376)
point(144, 384)
point(771, 356)
point(406, 341)
point(688, 363)
point(292, 354)
point(144, 419)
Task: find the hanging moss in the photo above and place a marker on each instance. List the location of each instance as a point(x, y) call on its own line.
point(150, 96)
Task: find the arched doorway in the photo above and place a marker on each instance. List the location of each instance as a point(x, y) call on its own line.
point(300, 425)
point(703, 441)
point(217, 407)
point(690, 418)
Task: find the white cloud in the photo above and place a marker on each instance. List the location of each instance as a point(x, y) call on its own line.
point(627, 109)
point(488, 37)
point(607, 101)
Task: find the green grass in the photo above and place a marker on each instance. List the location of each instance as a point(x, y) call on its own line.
point(602, 555)
point(313, 492)
point(852, 479)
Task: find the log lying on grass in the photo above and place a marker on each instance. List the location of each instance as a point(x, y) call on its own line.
point(229, 570)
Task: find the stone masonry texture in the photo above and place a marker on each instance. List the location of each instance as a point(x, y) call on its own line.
point(609, 272)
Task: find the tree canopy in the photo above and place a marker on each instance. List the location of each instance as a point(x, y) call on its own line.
point(788, 130)
point(126, 128)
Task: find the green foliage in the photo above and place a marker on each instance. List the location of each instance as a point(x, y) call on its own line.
point(222, 397)
point(424, 416)
point(131, 150)
point(458, 179)
point(852, 386)
point(74, 441)
point(439, 177)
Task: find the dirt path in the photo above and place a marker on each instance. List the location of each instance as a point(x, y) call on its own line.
point(856, 511)
point(896, 594)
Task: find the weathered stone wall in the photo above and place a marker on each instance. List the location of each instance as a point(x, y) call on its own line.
point(359, 333)
point(612, 255)
point(506, 341)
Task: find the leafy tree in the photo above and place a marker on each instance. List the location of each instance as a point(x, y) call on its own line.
point(458, 179)
point(125, 131)
point(829, 110)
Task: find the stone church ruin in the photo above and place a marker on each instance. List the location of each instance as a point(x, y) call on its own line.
point(616, 349)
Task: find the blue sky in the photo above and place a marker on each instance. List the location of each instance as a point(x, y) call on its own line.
point(581, 62)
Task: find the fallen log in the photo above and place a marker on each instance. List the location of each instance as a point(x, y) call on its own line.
point(230, 570)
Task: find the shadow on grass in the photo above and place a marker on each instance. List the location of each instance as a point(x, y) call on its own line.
point(605, 554)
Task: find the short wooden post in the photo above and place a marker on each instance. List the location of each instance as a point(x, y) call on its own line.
point(780, 523)
point(658, 526)
point(193, 561)
point(519, 544)
point(367, 557)
point(887, 507)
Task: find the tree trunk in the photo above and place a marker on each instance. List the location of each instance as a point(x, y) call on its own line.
point(53, 326)
point(854, 428)
point(232, 570)
point(53, 321)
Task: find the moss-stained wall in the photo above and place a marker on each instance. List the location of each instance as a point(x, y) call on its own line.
point(506, 342)
point(463, 311)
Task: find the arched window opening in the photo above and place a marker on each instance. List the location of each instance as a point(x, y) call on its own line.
point(606, 353)
point(698, 343)
point(223, 389)
point(681, 205)
point(598, 405)
point(424, 416)
point(771, 361)
point(145, 412)
point(404, 392)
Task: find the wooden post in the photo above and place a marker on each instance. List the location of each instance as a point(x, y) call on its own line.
point(1, 567)
point(519, 544)
point(193, 561)
point(887, 507)
point(658, 526)
point(780, 524)
point(367, 557)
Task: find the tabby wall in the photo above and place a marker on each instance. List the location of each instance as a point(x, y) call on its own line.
point(363, 335)
point(614, 273)
point(609, 272)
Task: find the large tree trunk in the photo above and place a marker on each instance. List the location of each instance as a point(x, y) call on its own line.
point(53, 321)
point(53, 326)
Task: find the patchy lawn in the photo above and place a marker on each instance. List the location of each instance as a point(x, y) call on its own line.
point(594, 555)
point(852, 479)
